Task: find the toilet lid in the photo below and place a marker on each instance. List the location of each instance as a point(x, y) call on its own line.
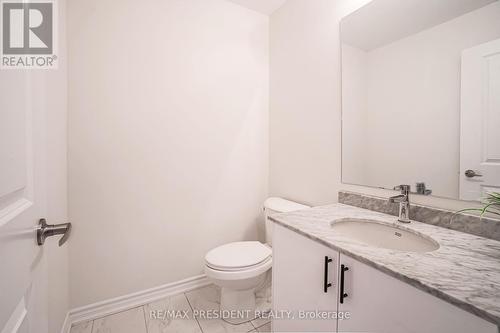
point(237, 255)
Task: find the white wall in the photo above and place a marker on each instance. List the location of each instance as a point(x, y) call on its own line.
point(355, 118)
point(305, 99)
point(410, 82)
point(168, 113)
point(305, 140)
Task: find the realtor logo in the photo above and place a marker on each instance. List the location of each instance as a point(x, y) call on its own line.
point(28, 34)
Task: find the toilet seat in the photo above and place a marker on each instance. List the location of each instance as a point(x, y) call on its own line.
point(239, 274)
point(238, 261)
point(238, 256)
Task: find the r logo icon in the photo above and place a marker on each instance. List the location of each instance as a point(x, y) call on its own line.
point(27, 29)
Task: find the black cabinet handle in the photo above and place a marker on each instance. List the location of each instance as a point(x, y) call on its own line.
point(326, 284)
point(343, 295)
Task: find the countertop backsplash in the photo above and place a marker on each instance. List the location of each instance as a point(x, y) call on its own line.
point(485, 227)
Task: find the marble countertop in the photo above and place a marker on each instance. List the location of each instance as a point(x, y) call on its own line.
point(464, 271)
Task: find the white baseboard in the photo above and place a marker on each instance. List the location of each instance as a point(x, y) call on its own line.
point(122, 303)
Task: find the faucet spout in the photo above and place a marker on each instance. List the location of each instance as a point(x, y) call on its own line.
point(397, 198)
point(404, 203)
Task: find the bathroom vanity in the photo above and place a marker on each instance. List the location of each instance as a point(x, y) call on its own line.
point(340, 268)
point(417, 109)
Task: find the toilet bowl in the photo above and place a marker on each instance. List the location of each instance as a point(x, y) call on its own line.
point(240, 268)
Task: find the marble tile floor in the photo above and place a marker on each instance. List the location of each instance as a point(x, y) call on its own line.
point(141, 319)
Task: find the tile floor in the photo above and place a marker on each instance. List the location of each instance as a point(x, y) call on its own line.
point(139, 320)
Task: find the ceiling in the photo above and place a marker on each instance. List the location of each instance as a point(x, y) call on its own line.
point(266, 7)
point(384, 21)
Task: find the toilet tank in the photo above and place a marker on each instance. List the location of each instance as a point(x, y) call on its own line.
point(278, 205)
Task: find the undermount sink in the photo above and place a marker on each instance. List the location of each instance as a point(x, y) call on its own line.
point(385, 236)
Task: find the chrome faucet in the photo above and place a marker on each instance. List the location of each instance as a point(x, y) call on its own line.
point(404, 203)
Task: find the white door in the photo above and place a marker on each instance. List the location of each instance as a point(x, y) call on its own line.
point(480, 121)
point(23, 274)
point(299, 277)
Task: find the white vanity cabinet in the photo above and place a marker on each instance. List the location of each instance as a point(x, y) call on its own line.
point(299, 281)
point(376, 302)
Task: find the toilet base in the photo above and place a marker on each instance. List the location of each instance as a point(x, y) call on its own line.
point(240, 304)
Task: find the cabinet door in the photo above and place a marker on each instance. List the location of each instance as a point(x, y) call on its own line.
point(298, 282)
point(381, 303)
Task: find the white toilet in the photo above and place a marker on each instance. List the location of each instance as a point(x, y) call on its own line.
point(239, 268)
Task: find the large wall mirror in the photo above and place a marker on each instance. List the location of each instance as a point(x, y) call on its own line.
point(421, 96)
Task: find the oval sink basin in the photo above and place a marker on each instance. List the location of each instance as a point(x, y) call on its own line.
point(385, 236)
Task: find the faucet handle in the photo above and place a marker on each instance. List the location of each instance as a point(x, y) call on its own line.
point(405, 189)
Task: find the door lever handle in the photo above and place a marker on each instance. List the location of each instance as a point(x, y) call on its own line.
point(46, 230)
point(472, 174)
